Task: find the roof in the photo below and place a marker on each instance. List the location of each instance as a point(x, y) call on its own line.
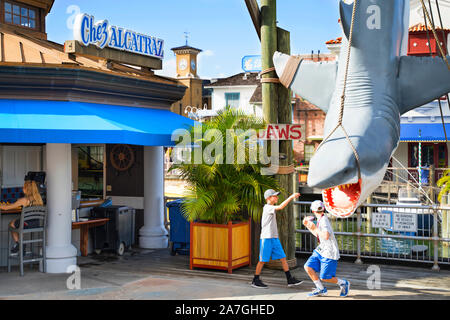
point(257, 95)
point(420, 27)
point(334, 41)
point(19, 49)
point(240, 79)
point(305, 105)
point(44, 4)
point(186, 48)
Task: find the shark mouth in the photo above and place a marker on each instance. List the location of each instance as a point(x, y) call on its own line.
point(342, 201)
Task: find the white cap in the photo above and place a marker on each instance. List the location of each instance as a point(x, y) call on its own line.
point(317, 206)
point(270, 193)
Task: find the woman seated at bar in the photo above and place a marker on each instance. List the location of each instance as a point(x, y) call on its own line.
point(31, 198)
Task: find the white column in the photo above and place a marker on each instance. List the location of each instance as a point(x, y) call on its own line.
point(153, 234)
point(61, 254)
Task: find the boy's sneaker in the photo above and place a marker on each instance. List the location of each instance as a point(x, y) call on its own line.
point(257, 283)
point(345, 288)
point(294, 282)
point(15, 248)
point(318, 293)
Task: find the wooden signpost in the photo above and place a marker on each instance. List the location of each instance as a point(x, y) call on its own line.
point(276, 108)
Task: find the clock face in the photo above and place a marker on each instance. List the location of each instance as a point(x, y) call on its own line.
point(193, 65)
point(182, 64)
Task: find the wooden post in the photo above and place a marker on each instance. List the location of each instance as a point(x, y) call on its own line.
point(268, 48)
point(277, 108)
point(287, 222)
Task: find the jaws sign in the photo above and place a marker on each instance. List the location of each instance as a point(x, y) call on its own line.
point(282, 132)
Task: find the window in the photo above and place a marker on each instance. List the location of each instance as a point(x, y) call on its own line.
point(20, 15)
point(232, 99)
point(309, 151)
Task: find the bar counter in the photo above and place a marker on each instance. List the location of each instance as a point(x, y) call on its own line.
point(7, 215)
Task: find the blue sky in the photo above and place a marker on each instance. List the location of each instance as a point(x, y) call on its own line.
point(221, 28)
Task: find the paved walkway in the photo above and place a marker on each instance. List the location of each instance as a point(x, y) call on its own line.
point(154, 274)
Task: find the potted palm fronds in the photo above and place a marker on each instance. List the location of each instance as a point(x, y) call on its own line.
point(444, 184)
point(223, 197)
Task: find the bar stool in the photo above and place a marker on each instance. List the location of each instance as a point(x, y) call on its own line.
point(36, 234)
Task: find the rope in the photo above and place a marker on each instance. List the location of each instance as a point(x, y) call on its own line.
point(341, 110)
point(267, 71)
point(268, 80)
point(443, 36)
point(431, 54)
point(427, 16)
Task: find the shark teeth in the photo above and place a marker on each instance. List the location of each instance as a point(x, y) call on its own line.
point(341, 201)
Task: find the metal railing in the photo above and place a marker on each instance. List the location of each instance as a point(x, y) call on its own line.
point(389, 232)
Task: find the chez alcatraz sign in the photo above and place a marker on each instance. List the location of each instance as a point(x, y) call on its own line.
point(102, 34)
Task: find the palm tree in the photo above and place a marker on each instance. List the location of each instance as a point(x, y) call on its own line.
point(220, 192)
point(444, 184)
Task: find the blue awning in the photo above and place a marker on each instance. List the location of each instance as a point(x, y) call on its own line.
point(31, 121)
point(423, 132)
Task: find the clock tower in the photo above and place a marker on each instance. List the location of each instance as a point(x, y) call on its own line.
point(186, 57)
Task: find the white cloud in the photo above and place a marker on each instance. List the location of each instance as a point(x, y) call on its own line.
point(169, 68)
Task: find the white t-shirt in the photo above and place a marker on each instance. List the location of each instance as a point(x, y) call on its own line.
point(327, 248)
point(269, 227)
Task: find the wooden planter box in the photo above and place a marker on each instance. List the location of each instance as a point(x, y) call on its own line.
point(220, 246)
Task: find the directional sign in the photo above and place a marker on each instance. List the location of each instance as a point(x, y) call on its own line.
point(252, 64)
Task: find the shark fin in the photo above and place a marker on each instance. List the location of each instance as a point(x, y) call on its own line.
point(313, 81)
point(346, 11)
point(421, 80)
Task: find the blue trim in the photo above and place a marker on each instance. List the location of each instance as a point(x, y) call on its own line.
point(31, 121)
point(428, 131)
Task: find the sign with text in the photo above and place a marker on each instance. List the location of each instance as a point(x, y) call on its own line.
point(252, 64)
point(102, 34)
point(381, 220)
point(282, 132)
point(406, 222)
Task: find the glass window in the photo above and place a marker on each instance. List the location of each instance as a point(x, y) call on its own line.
point(20, 15)
point(427, 155)
point(309, 152)
point(441, 156)
point(24, 22)
point(232, 99)
point(414, 155)
point(16, 19)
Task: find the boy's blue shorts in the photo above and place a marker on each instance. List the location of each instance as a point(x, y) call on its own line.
point(270, 248)
point(326, 267)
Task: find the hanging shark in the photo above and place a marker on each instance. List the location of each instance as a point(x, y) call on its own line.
point(383, 83)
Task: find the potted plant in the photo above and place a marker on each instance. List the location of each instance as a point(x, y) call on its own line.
point(444, 184)
point(223, 197)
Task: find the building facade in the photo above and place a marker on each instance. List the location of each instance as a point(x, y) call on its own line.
point(84, 116)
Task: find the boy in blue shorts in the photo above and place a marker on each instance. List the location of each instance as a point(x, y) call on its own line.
point(325, 257)
point(270, 246)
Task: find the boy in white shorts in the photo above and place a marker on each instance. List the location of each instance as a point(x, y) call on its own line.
point(270, 246)
point(325, 257)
